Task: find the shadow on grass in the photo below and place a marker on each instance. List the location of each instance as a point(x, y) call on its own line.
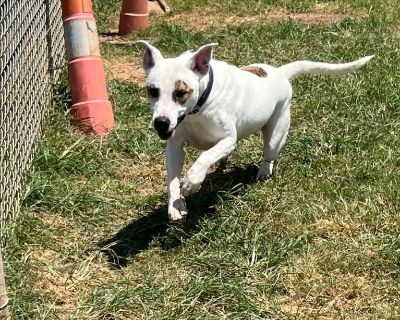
point(138, 235)
point(108, 34)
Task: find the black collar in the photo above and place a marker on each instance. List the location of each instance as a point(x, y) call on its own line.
point(202, 100)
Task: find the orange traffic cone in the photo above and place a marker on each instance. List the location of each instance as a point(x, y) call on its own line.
point(134, 16)
point(91, 108)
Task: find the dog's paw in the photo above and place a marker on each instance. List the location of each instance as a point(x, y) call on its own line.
point(191, 184)
point(178, 210)
point(265, 170)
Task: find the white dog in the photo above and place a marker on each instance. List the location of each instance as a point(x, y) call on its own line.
point(211, 104)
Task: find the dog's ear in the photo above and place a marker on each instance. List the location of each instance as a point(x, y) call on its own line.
point(200, 60)
point(151, 56)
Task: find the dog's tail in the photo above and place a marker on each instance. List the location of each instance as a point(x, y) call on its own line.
point(296, 68)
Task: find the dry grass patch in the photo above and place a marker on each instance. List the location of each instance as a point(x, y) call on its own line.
point(312, 292)
point(49, 268)
point(125, 69)
point(150, 175)
point(65, 278)
point(337, 227)
point(323, 14)
point(201, 22)
point(50, 278)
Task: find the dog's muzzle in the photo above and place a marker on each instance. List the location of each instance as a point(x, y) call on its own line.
point(161, 124)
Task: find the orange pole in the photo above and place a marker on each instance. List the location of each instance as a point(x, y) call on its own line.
point(79, 6)
point(134, 16)
point(91, 109)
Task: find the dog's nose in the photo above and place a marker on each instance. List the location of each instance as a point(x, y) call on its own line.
point(161, 124)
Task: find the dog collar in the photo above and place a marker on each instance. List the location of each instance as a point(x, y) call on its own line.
point(202, 100)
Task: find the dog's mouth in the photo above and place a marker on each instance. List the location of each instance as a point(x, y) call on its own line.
point(181, 118)
point(165, 135)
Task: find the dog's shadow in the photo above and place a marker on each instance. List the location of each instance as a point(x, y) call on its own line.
point(155, 226)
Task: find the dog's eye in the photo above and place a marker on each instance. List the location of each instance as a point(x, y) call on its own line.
point(153, 92)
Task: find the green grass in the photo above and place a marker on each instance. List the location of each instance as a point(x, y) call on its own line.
point(320, 240)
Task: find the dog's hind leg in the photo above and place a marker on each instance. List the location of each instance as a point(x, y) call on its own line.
point(274, 135)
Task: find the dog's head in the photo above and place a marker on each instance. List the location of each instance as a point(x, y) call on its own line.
point(173, 85)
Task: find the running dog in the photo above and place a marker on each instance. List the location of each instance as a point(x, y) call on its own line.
point(211, 104)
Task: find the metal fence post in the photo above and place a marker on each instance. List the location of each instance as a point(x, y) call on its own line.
point(4, 310)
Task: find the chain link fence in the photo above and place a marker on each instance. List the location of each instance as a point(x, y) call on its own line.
point(31, 59)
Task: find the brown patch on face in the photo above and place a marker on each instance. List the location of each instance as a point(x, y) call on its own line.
point(182, 92)
point(256, 70)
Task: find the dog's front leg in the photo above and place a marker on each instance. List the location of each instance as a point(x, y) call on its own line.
point(196, 174)
point(175, 158)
